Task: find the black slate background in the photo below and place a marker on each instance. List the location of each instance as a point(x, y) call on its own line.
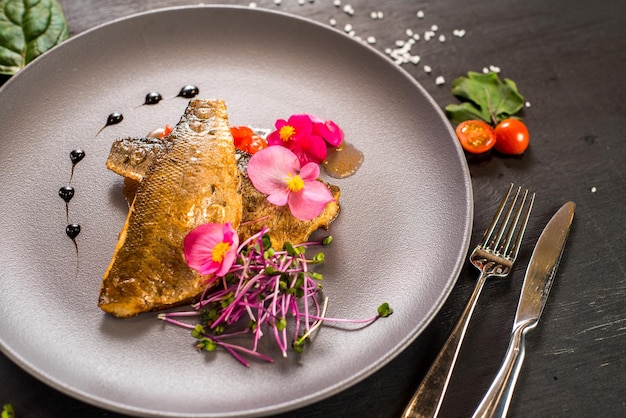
point(569, 60)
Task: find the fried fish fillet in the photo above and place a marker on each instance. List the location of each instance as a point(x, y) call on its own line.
point(130, 157)
point(190, 181)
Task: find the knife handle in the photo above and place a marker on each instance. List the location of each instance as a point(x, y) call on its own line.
point(496, 401)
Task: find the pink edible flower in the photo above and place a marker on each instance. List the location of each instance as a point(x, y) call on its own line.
point(327, 130)
point(306, 136)
point(276, 171)
point(211, 248)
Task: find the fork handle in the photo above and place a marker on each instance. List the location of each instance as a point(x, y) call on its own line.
point(428, 398)
point(498, 397)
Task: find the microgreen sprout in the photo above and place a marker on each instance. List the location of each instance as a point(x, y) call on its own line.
point(263, 292)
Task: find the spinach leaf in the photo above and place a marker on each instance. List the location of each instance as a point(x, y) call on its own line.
point(28, 28)
point(485, 97)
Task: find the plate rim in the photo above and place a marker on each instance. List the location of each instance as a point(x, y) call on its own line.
point(113, 405)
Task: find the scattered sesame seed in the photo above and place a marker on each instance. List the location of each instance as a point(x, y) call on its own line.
point(347, 28)
point(485, 70)
point(399, 42)
point(301, 2)
point(427, 69)
point(527, 104)
point(420, 14)
point(409, 32)
point(494, 68)
point(336, 3)
point(416, 36)
point(352, 33)
point(348, 9)
point(371, 40)
point(593, 189)
point(252, 5)
point(442, 38)
point(440, 80)
point(388, 51)
point(380, 14)
point(415, 59)
point(428, 34)
point(278, 2)
point(373, 15)
point(434, 28)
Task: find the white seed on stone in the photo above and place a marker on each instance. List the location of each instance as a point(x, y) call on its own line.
point(371, 40)
point(420, 14)
point(427, 69)
point(440, 80)
point(442, 38)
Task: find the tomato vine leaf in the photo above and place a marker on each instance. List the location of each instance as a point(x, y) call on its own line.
point(28, 28)
point(484, 97)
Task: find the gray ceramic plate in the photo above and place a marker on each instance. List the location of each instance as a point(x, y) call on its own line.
point(401, 237)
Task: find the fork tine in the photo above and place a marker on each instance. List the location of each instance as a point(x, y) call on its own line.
point(522, 229)
point(496, 217)
point(495, 245)
point(509, 235)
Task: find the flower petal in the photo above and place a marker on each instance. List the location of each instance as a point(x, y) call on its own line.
point(279, 198)
point(312, 149)
point(331, 133)
point(310, 201)
point(268, 168)
point(310, 172)
point(198, 247)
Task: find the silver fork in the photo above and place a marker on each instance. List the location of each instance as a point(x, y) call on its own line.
point(494, 257)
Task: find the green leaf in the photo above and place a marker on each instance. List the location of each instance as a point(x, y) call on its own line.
point(28, 28)
point(487, 97)
point(7, 411)
point(466, 111)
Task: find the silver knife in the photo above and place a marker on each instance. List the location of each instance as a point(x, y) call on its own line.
point(537, 283)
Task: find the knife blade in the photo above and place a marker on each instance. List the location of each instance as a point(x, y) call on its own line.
point(537, 283)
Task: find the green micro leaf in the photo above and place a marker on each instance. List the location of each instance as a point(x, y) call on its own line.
point(28, 28)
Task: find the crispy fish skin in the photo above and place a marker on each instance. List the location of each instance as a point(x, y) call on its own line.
point(192, 181)
point(257, 211)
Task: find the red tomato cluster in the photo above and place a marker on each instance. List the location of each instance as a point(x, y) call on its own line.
point(509, 136)
point(246, 140)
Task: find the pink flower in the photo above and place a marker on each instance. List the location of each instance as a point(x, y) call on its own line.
point(327, 130)
point(296, 134)
point(276, 171)
point(211, 248)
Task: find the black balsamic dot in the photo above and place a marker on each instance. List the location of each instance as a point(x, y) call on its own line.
point(153, 98)
point(76, 156)
point(72, 230)
point(114, 118)
point(188, 92)
point(66, 193)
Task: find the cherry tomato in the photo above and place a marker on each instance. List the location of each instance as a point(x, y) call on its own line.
point(166, 131)
point(246, 140)
point(241, 136)
point(476, 136)
point(511, 137)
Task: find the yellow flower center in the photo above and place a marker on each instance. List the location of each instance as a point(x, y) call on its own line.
point(294, 183)
point(287, 132)
point(219, 251)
